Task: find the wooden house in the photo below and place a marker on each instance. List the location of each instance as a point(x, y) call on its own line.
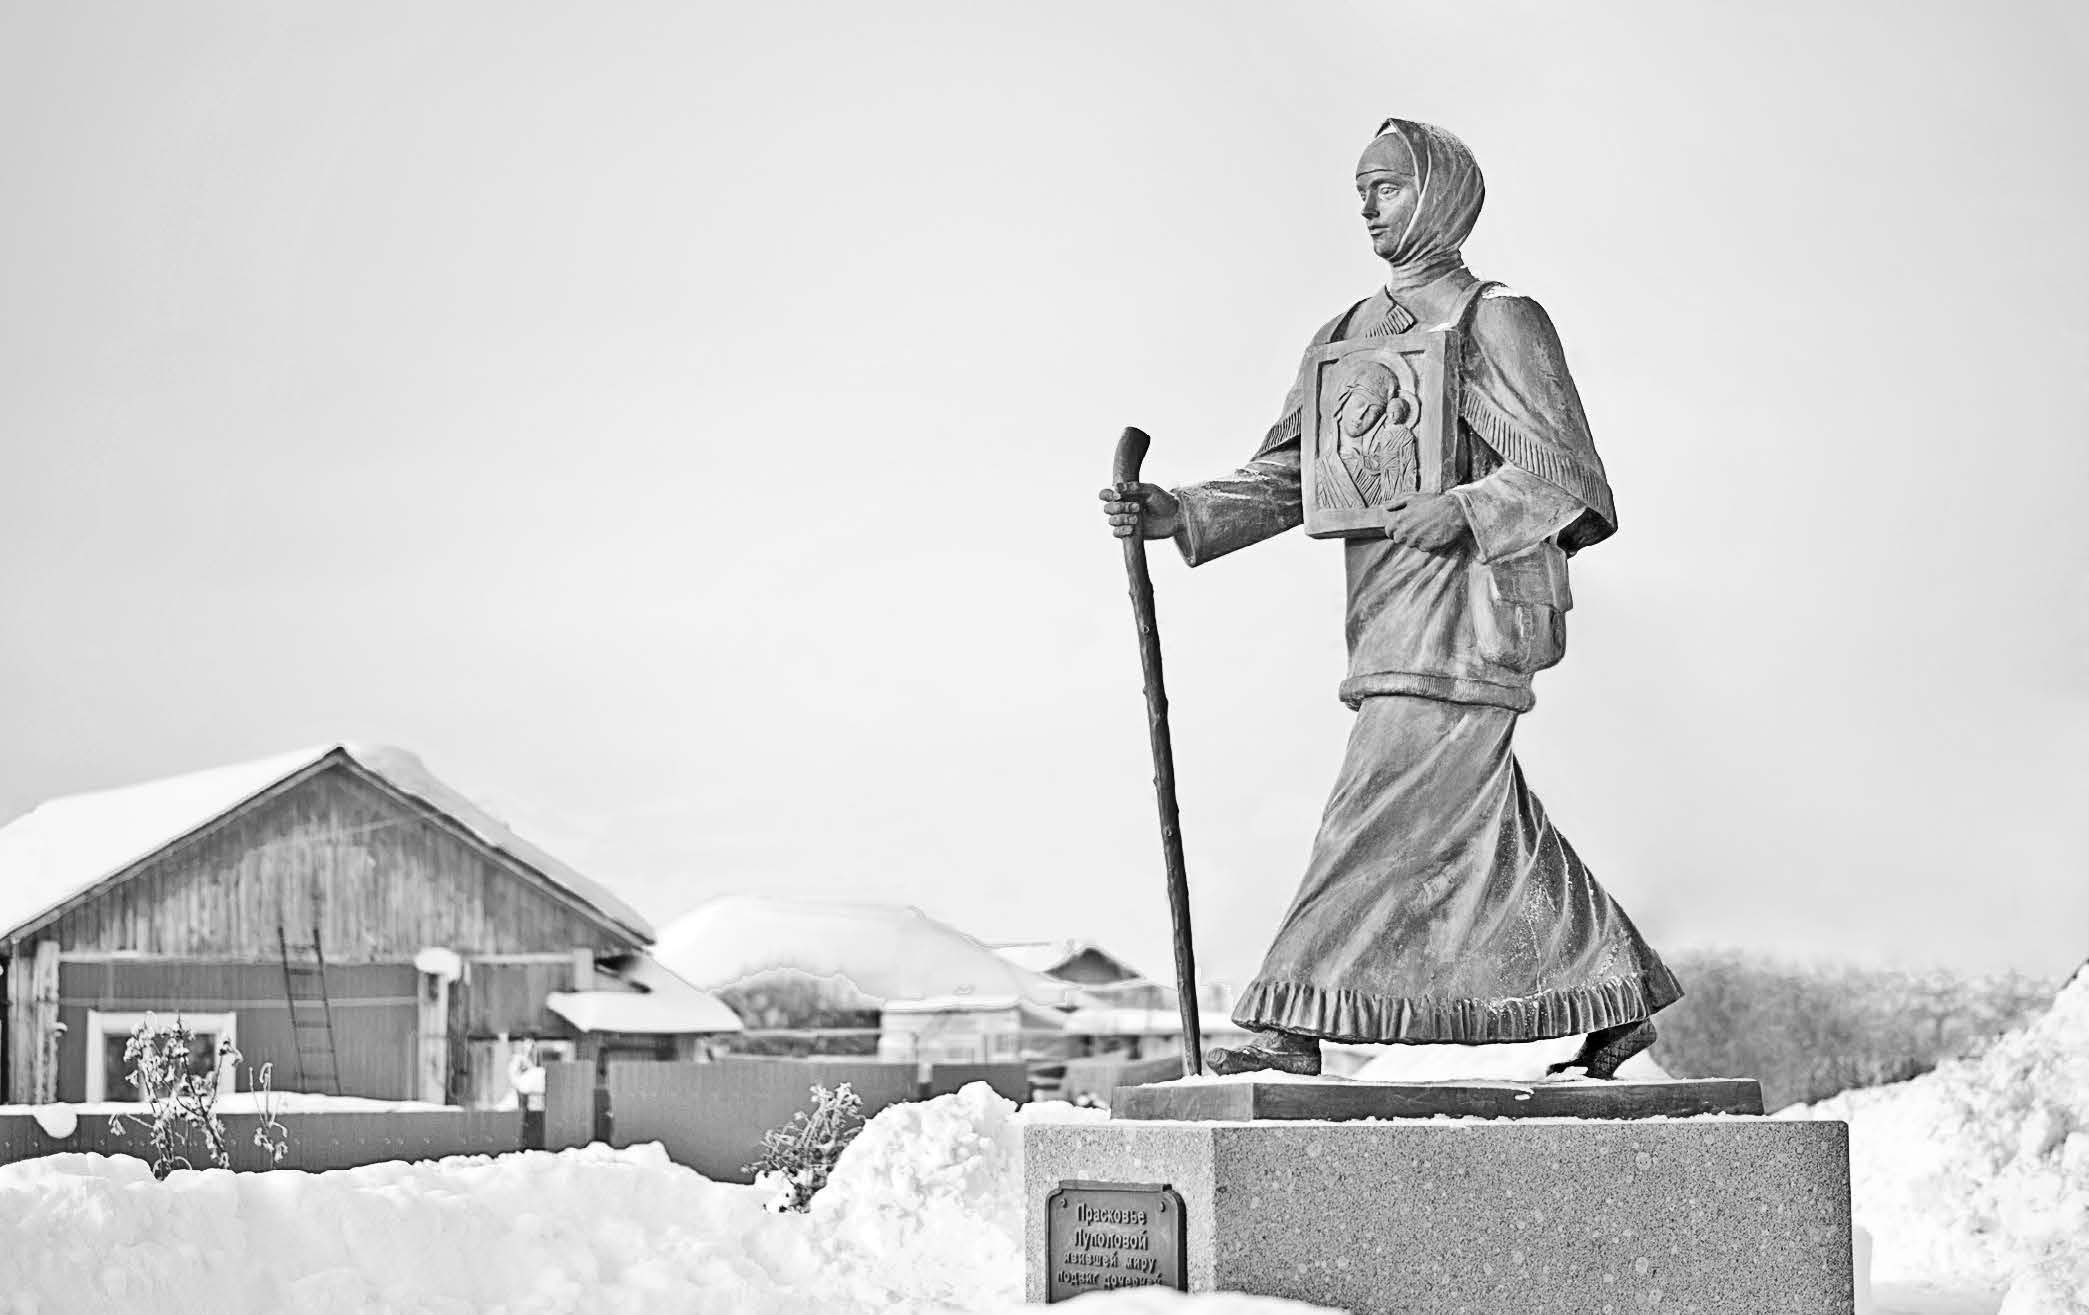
point(1122, 1012)
point(1104, 978)
point(337, 913)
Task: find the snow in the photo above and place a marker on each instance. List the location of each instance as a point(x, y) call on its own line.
point(1972, 1182)
point(1519, 1061)
point(1978, 1173)
point(883, 952)
point(663, 1003)
point(923, 1215)
point(58, 1121)
point(65, 847)
point(435, 961)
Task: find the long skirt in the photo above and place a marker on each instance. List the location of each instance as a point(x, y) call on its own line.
point(1441, 904)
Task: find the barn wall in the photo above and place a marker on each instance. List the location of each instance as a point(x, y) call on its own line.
point(336, 851)
point(374, 1015)
point(509, 998)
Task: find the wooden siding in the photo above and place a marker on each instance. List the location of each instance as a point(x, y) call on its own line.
point(375, 1017)
point(508, 998)
point(379, 877)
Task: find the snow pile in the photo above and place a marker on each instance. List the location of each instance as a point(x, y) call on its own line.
point(580, 1230)
point(927, 1203)
point(1979, 1170)
point(923, 1215)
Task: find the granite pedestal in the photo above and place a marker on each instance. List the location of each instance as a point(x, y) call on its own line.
point(1341, 1099)
point(1713, 1216)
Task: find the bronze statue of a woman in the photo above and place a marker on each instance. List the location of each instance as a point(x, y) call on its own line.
point(1440, 903)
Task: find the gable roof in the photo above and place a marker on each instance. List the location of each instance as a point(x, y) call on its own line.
point(61, 851)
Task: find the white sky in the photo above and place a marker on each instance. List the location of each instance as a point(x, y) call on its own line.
point(680, 425)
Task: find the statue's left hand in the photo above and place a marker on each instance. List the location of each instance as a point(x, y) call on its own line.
point(1432, 522)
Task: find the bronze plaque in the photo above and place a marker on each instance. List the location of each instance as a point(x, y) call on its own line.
point(1101, 1236)
point(1379, 420)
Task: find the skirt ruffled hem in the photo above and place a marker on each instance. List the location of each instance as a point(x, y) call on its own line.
point(1354, 1017)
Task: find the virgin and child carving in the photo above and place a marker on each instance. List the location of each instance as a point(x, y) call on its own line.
point(1375, 454)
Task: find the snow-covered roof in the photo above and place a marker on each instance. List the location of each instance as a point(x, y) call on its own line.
point(65, 848)
point(663, 1004)
point(1050, 957)
point(885, 952)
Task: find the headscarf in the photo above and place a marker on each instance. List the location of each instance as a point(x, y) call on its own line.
point(1449, 193)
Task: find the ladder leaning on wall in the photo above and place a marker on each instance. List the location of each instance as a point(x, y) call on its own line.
point(311, 1016)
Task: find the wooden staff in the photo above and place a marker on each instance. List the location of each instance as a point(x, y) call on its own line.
point(1131, 450)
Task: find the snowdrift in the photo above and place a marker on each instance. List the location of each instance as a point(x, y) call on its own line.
point(1978, 1172)
point(923, 1215)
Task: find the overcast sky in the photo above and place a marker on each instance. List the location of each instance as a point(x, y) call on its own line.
point(680, 425)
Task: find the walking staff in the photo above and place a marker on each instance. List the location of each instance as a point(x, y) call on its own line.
point(1131, 451)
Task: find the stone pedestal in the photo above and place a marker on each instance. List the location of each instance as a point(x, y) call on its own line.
point(1242, 1100)
point(1714, 1216)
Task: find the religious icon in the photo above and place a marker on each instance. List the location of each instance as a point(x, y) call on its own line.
point(1375, 428)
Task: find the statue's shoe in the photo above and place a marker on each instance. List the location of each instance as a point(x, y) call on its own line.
point(1283, 1052)
point(1608, 1047)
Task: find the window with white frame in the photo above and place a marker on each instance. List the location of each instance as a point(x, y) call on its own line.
point(109, 1074)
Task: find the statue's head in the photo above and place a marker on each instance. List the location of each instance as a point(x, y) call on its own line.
point(1421, 191)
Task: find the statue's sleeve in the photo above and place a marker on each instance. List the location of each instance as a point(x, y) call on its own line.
point(1512, 509)
point(1263, 498)
point(1519, 400)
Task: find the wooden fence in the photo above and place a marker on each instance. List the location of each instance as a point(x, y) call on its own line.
point(708, 1116)
point(711, 1116)
point(318, 1140)
point(1090, 1081)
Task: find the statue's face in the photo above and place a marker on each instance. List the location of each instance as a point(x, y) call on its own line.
point(1360, 413)
point(1385, 186)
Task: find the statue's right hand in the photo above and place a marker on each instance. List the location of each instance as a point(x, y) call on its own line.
point(1147, 510)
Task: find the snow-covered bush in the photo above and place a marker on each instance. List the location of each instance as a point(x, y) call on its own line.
point(182, 1097)
point(798, 1157)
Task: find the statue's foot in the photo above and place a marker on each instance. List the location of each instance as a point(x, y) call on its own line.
point(1286, 1052)
point(1608, 1047)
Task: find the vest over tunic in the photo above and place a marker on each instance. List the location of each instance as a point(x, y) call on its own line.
point(1440, 903)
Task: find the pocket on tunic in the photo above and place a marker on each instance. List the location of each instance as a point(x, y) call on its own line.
point(1519, 608)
